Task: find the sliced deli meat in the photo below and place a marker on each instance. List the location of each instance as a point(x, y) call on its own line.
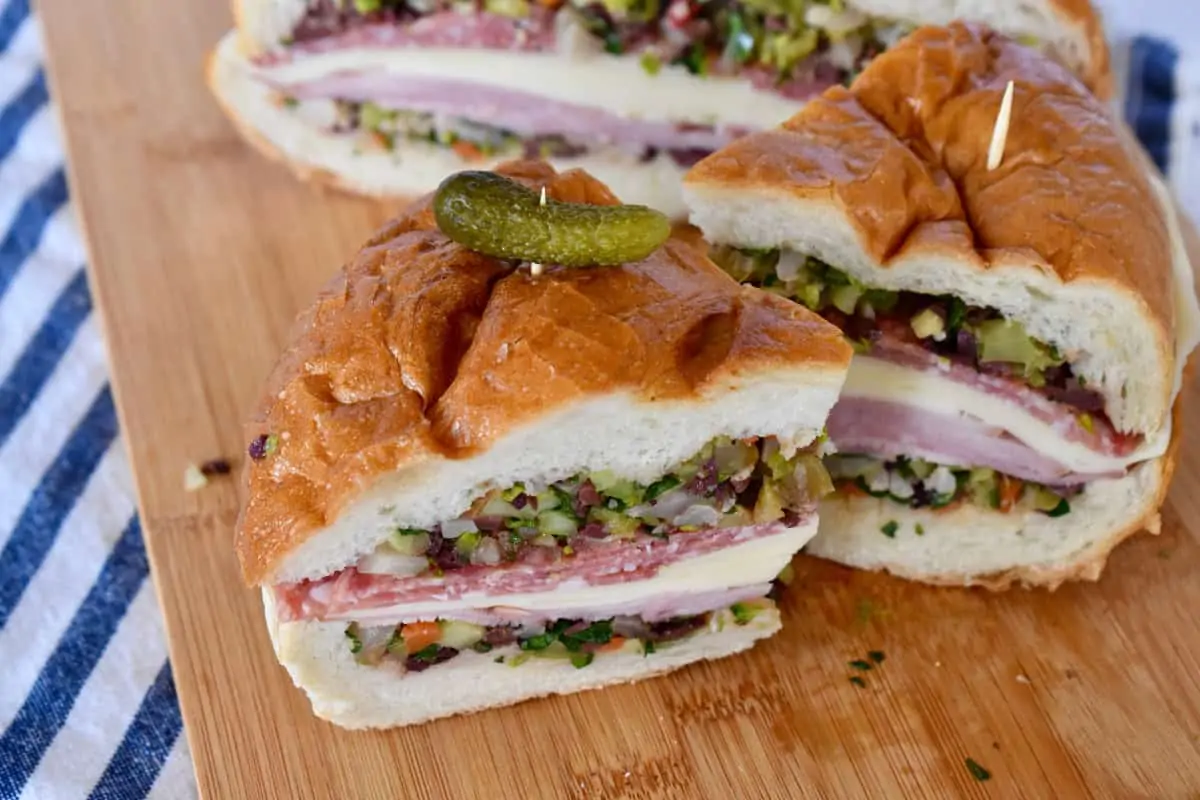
point(1020, 327)
point(464, 465)
point(646, 75)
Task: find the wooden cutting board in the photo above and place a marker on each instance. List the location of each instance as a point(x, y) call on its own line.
point(202, 252)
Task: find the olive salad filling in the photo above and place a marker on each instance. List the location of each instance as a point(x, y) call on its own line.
point(980, 338)
point(944, 325)
point(921, 484)
point(420, 645)
point(730, 483)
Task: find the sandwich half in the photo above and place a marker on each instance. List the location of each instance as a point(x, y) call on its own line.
point(1020, 331)
point(387, 97)
point(469, 485)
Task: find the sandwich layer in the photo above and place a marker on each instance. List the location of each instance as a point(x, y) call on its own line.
point(840, 37)
point(972, 545)
point(301, 136)
point(898, 197)
point(395, 97)
point(426, 376)
point(653, 577)
point(357, 695)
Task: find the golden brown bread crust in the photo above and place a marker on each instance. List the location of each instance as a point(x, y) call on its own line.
point(422, 349)
point(904, 153)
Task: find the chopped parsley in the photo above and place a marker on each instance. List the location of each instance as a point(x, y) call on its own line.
point(877, 656)
point(409, 531)
point(859, 664)
point(581, 660)
point(1061, 509)
point(539, 642)
point(920, 529)
point(428, 653)
point(481, 647)
point(977, 771)
point(499, 659)
point(661, 486)
point(647, 647)
point(356, 644)
point(857, 681)
point(889, 528)
point(560, 631)
point(651, 63)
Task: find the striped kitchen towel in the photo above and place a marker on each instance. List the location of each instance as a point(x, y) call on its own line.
point(87, 703)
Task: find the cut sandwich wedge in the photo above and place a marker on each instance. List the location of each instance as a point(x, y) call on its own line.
point(386, 97)
point(470, 484)
point(1020, 332)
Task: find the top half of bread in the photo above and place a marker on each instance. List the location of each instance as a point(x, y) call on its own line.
point(1070, 30)
point(426, 372)
point(1070, 234)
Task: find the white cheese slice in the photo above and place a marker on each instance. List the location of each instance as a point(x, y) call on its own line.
point(875, 379)
point(617, 84)
point(754, 562)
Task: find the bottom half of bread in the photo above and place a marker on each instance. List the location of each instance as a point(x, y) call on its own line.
point(969, 545)
point(353, 695)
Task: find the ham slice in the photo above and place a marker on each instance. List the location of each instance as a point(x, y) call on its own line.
point(347, 593)
point(1102, 438)
point(526, 114)
point(889, 429)
point(478, 31)
point(662, 607)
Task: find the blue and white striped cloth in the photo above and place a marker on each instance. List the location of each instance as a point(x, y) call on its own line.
point(87, 703)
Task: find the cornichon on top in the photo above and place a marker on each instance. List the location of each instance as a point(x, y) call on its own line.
point(499, 217)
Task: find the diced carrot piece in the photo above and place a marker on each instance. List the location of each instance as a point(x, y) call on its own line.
point(419, 635)
point(1010, 492)
point(467, 150)
point(615, 643)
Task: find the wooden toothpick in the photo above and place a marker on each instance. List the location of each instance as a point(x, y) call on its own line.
point(1000, 132)
point(535, 269)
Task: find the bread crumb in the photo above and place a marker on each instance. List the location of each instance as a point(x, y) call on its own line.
point(193, 479)
point(216, 466)
point(1000, 131)
point(1024, 679)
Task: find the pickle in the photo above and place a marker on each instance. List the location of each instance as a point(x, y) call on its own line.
point(493, 215)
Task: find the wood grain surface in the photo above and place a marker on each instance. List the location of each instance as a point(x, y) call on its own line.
point(202, 252)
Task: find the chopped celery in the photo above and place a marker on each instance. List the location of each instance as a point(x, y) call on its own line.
point(770, 504)
point(810, 294)
point(1006, 341)
point(466, 544)
point(459, 635)
point(929, 323)
point(556, 523)
point(845, 297)
point(409, 542)
point(616, 523)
